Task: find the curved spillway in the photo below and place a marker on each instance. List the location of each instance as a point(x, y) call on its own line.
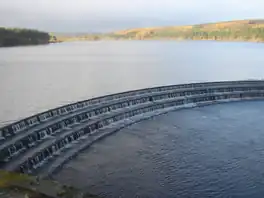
point(42, 143)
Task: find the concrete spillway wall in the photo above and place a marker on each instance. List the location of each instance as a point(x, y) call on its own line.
point(42, 143)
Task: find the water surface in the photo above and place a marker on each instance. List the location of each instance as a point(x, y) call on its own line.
point(214, 151)
point(36, 78)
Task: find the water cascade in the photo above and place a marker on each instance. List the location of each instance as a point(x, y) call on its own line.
point(42, 143)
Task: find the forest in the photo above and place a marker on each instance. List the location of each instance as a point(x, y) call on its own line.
point(16, 36)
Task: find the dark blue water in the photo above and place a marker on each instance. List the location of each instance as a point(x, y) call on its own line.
point(213, 151)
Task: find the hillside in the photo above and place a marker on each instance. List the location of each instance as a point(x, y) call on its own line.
point(242, 30)
point(246, 30)
point(16, 36)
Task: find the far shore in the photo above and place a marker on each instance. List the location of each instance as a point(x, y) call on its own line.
point(160, 39)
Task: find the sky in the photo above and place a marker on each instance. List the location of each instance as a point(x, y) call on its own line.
point(110, 15)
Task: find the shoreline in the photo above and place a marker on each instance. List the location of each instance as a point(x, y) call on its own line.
point(134, 39)
point(30, 44)
point(162, 39)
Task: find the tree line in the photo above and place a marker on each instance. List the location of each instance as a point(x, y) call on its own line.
point(16, 36)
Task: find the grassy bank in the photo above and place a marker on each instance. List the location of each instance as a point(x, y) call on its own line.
point(15, 185)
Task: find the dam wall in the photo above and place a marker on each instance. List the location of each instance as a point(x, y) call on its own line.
point(42, 143)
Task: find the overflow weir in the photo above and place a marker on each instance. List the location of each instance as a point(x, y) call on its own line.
point(43, 143)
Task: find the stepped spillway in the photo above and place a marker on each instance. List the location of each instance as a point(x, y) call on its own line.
point(42, 143)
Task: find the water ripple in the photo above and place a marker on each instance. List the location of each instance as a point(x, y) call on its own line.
point(214, 151)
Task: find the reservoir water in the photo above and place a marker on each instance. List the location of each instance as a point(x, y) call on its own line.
point(213, 151)
point(37, 78)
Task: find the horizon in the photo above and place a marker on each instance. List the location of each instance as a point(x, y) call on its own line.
point(81, 16)
point(74, 33)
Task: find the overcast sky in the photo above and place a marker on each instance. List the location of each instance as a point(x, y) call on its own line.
point(108, 15)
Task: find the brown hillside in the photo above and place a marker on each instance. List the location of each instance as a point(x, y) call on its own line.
point(239, 24)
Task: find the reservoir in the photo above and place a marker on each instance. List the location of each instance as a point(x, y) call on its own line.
point(36, 78)
point(212, 151)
